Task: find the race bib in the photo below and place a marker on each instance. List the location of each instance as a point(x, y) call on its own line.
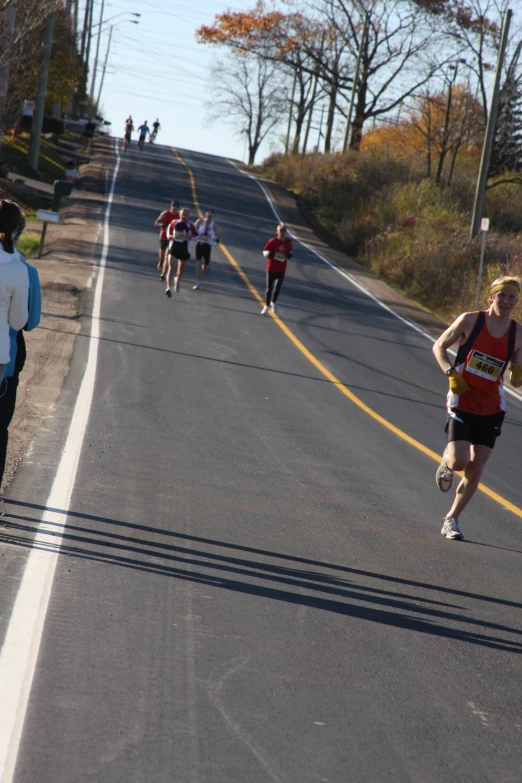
point(484, 366)
point(179, 236)
point(280, 256)
point(204, 238)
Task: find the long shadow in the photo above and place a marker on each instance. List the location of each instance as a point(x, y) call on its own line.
point(267, 369)
point(279, 583)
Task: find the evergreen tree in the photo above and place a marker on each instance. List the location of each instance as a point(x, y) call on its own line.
point(506, 154)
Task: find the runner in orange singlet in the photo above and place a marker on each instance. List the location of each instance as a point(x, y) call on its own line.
point(488, 341)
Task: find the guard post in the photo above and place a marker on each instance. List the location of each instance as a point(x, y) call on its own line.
point(46, 216)
point(61, 188)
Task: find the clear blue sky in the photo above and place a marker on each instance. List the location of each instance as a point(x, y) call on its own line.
point(156, 69)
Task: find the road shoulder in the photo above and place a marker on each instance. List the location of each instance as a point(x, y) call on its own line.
point(66, 270)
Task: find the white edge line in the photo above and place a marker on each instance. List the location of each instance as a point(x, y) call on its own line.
point(19, 654)
point(517, 395)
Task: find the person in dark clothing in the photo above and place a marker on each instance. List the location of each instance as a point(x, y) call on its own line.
point(18, 353)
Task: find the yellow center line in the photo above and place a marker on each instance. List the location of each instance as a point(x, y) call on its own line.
point(329, 375)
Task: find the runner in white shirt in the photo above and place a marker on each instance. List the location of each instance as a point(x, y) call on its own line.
point(208, 236)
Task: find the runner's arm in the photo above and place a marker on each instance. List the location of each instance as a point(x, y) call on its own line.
point(160, 222)
point(268, 250)
point(458, 329)
point(217, 235)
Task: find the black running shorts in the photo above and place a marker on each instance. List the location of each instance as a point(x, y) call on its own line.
point(164, 243)
point(478, 430)
point(203, 252)
point(179, 250)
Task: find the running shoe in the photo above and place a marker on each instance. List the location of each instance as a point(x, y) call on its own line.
point(451, 529)
point(195, 287)
point(169, 293)
point(162, 276)
point(444, 477)
point(176, 284)
point(264, 311)
point(273, 307)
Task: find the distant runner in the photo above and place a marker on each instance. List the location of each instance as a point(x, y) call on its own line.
point(129, 127)
point(208, 236)
point(180, 232)
point(488, 341)
point(155, 130)
point(143, 130)
point(278, 251)
point(164, 221)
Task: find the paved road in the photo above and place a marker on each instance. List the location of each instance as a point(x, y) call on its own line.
point(252, 585)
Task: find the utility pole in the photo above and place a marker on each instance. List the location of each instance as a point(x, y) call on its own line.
point(6, 40)
point(86, 17)
point(490, 130)
point(41, 91)
point(104, 67)
point(355, 81)
point(95, 67)
point(75, 16)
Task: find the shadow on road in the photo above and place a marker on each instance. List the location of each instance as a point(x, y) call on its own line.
point(329, 587)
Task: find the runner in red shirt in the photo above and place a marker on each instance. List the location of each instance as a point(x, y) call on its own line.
point(277, 250)
point(180, 232)
point(164, 221)
point(488, 341)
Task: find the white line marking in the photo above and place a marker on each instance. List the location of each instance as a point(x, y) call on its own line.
point(516, 394)
point(19, 653)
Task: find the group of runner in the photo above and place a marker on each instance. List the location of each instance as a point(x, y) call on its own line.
point(176, 233)
point(143, 131)
point(489, 341)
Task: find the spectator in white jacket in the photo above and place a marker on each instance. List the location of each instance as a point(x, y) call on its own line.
point(14, 279)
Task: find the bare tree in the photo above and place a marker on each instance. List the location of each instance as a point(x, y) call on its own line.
point(399, 55)
point(253, 94)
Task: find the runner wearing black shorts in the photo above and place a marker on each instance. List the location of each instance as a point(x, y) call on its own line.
point(180, 232)
point(208, 236)
point(163, 222)
point(489, 340)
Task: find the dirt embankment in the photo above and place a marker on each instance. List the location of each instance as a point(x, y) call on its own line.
point(66, 270)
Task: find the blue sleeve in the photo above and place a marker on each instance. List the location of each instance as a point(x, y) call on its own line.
point(13, 349)
point(35, 299)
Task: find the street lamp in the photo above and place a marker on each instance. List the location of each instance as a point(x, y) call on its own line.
point(103, 21)
point(107, 57)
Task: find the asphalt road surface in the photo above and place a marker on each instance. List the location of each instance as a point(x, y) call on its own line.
point(252, 585)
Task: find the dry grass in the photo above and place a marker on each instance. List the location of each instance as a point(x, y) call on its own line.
point(380, 208)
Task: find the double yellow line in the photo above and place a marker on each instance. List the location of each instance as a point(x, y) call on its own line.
point(326, 372)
